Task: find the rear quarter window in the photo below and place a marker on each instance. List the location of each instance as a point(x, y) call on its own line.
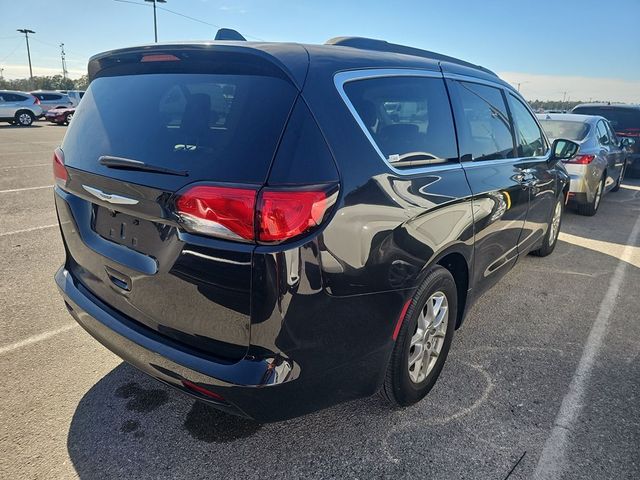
point(408, 119)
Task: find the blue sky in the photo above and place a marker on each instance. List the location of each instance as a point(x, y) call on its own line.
point(588, 48)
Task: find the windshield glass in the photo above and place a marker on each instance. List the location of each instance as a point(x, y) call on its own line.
point(576, 131)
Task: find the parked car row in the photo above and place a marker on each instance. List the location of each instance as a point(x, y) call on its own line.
point(22, 108)
point(601, 161)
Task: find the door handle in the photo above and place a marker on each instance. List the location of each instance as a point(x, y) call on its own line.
point(527, 180)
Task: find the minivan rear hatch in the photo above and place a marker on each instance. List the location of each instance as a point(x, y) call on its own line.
point(153, 121)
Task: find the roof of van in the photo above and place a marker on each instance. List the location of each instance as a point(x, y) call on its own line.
point(341, 53)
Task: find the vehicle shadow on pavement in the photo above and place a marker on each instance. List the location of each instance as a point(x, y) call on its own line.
point(130, 426)
point(605, 232)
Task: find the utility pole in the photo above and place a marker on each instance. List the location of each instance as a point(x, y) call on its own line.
point(564, 96)
point(26, 32)
point(1, 74)
point(64, 62)
point(155, 22)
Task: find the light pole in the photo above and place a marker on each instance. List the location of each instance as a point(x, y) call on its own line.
point(155, 22)
point(64, 61)
point(26, 32)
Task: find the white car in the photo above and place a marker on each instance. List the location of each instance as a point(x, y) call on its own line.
point(52, 99)
point(19, 108)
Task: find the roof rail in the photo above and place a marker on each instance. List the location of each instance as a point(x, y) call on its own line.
point(364, 43)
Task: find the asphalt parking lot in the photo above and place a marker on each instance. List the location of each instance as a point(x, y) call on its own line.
point(550, 356)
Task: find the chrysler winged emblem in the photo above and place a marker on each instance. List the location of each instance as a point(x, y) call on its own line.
point(110, 197)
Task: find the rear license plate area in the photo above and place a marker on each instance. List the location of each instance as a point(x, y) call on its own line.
point(138, 234)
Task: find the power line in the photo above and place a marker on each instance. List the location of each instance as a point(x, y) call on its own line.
point(67, 52)
point(184, 16)
point(12, 51)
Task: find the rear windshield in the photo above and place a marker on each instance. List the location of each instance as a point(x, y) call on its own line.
point(576, 131)
point(622, 119)
point(215, 127)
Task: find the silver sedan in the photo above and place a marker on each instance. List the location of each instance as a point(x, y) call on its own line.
point(599, 165)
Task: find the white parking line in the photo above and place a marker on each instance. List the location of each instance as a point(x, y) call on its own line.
point(553, 461)
point(23, 152)
point(36, 338)
point(25, 189)
point(6, 234)
point(26, 166)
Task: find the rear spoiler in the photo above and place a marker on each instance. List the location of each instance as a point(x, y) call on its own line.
point(238, 56)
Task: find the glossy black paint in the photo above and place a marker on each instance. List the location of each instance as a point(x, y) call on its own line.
point(279, 331)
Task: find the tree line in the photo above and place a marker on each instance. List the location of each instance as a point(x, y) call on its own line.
point(55, 82)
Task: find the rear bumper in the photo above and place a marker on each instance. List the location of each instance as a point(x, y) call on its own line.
point(578, 183)
point(265, 389)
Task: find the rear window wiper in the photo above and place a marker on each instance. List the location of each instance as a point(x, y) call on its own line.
point(129, 164)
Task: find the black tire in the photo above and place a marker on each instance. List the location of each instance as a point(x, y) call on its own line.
point(620, 178)
point(551, 237)
point(398, 388)
point(591, 208)
point(68, 117)
point(24, 118)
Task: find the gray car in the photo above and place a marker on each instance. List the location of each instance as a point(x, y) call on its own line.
point(52, 99)
point(19, 108)
point(599, 165)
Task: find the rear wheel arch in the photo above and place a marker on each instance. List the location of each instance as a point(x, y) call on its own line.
point(457, 265)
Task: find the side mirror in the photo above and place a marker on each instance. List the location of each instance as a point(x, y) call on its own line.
point(562, 149)
point(626, 142)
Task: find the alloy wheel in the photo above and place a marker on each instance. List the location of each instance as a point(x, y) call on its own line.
point(24, 119)
point(428, 338)
point(555, 222)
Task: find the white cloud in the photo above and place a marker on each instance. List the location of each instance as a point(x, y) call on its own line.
point(552, 87)
point(22, 71)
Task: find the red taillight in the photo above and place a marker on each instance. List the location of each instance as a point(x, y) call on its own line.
point(271, 216)
point(220, 211)
point(581, 159)
point(36, 101)
point(286, 214)
point(59, 171)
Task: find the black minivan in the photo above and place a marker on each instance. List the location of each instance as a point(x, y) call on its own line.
point(275, 228)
